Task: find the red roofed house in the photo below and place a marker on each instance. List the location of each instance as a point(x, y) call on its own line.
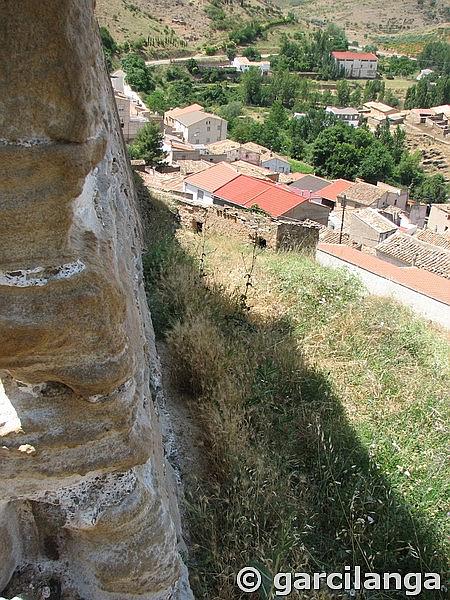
point(357, 65)
point(275, 200)
point(331, 192)
point(203, 185)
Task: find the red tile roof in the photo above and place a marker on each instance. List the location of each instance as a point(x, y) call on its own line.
point(247, 191)
point(413, 278)
point(354, 55)
point(213, 178)
point(332, 191)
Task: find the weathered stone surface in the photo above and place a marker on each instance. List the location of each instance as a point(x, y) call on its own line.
point(85, 509)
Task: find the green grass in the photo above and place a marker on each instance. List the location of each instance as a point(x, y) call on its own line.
point(297, 166)
point(323, 411)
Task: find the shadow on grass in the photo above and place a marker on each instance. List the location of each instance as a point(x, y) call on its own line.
point(290, 487)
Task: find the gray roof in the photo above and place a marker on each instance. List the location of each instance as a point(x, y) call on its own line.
point(363, 193)
point(343, 111)
point(195, 117)
point(373, 219)
point(414, 252)
point(310, 183)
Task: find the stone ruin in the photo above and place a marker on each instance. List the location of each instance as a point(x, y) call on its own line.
point(86, 508)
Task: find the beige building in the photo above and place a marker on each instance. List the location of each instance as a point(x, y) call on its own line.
point(439, 219)
point(378, 113)
point(200, 128)
point(369, 228)
point(357, 65)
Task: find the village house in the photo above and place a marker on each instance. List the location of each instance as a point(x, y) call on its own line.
point(177, 150)
point(266, 158)
point(243, 64)
point(365, 195)
point(201, 186)
point(356, 65)
point(378, 113)
point(170, 115)
point(275, 200)
point(435, 239)
point(224, 150)
point(311, 184)
point(439, 218)
point(199, 128)
point(368, 227)
point(408, 251)
point(133, 114)
point(246, 168)
point(330, 193)
point(347, 115)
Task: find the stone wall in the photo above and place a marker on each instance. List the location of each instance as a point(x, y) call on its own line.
point(245, 225)
point(85, 504)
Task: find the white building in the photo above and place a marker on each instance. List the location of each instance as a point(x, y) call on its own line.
point(243, 64)
point(347, 115)
point(357, 65)
point(267, 158)
point(200, 128)
point(133, 113)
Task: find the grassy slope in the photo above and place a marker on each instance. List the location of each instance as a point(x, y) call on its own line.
point(365, 20)
point(130, 19)
point(324, 412)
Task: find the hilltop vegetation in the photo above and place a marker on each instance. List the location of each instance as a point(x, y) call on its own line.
point(323, 412)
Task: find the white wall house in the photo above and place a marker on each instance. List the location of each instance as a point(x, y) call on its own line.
point(243, 64)
point(198, 127)
point(357, 65)
point(347, 115)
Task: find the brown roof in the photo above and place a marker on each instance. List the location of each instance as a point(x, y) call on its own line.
point(187, 167)
point(176, 112)
point(363, 193)
point(332, 236)
point(222, 147)
point(195, 116)
point(412, 251)
point(213, 178)
point(419, 280)
point(246, 168)
point(264, 152)
point(437, 239)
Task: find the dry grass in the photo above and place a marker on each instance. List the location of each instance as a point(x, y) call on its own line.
point(323, 414)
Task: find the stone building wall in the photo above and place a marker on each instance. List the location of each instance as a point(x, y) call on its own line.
point(246, 225)
point(86, 510)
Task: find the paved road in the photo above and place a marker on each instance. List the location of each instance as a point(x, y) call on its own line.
point(198, 57)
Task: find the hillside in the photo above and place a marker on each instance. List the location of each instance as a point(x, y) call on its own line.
point(185, 19)
point(367, 20)
point(186, 22)
point(314, 415)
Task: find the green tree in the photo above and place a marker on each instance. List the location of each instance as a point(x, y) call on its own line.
point(252, 87)
point(138, 75)
point(356, 97)
point(433, 190)
point(251, 53)
point(157, 101)
point(377, 164)
point(408, 171)
point(343, 93)
point(148, 145)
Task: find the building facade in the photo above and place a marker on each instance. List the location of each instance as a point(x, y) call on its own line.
point(356, 65)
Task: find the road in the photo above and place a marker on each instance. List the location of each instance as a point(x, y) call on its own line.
point(198, 57)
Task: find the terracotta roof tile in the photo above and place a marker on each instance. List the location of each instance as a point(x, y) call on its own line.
point(213, 178)
point(416, 279)
point(346, 55)
point(332, 191)
point(247, 191)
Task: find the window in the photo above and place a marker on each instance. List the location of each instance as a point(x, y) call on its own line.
point(208, 129)
point(200, 194)
point(219, 127)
